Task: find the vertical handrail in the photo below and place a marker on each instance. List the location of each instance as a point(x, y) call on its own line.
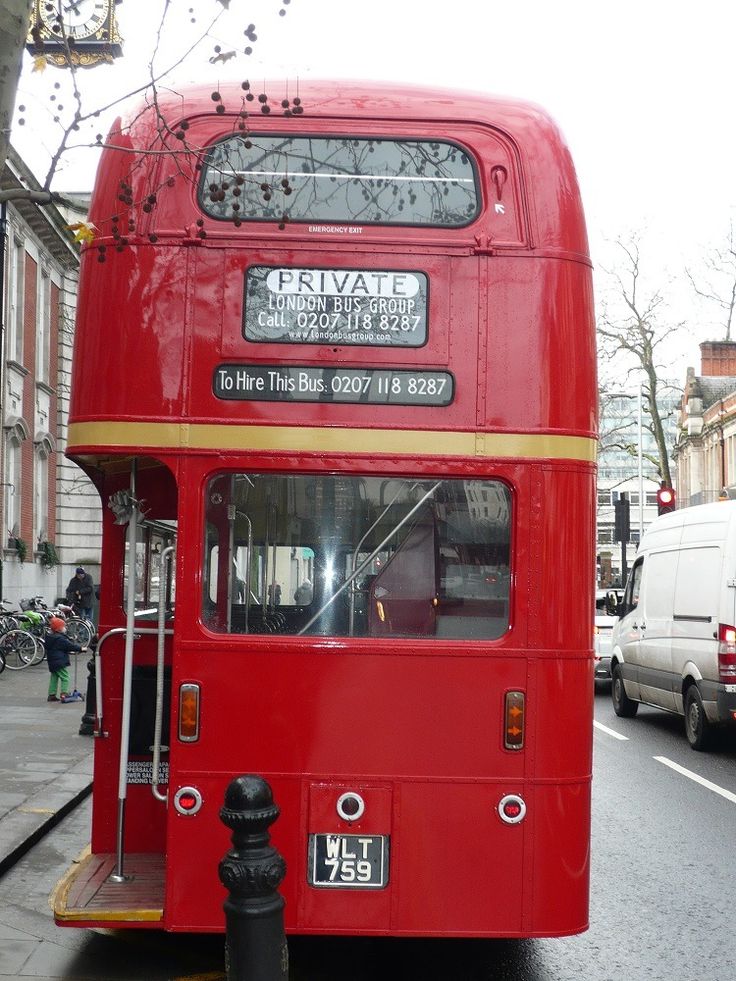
point(247, 571)
point(118, 875)
point(354, 562)
point(115, 632)
point(165, 555)
point(99, 730)
point(230, 563)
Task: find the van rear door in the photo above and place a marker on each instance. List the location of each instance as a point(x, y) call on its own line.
point(657, 682)
point(697, 604)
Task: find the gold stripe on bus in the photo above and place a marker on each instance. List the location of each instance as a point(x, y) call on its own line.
point(109, 915)
point(321, 439)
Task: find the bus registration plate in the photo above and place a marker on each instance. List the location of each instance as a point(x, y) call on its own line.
point(348, 861)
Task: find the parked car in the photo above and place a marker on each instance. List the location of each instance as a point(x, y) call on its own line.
point(674, 645)
point(606, 615)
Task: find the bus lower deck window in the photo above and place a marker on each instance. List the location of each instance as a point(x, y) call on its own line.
point(357, 556)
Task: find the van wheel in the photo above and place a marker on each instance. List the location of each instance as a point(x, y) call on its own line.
point(698, 730)
point(623, 706)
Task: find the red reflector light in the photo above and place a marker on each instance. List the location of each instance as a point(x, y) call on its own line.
point(511, 809)
point(187, 800)
point(726, 654)
point(726, 634)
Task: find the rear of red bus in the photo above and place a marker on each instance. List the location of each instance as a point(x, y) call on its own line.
point(366, 439)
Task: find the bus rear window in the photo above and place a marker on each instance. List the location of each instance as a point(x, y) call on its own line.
point(317, 179)
point(357, 556)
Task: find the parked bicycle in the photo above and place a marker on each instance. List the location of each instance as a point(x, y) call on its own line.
point(22, 644)
point(22, 632)
point(79, 629)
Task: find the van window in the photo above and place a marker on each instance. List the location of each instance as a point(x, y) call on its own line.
point(698, 578)
point(661, 568)
point(633, 587)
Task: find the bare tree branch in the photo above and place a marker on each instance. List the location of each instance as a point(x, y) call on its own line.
point(632, 323)
point(718, 287)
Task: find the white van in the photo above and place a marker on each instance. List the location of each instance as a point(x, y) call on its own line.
point(674, 645)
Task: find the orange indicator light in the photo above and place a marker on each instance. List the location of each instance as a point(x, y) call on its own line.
point(514, 720)
point(189, 713)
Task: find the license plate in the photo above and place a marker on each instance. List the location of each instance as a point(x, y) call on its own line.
point(348, 861)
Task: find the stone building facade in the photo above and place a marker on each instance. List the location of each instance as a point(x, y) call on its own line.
point(50, 512)
point(706, 448)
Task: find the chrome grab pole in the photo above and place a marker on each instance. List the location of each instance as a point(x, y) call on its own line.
point(118, 874)
point(165, 556)
point(99, 730)
point(354, 563)
point(115, 632)
point(247, 570)
point(230, 562)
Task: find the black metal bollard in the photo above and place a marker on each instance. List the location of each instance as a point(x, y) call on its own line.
point(255, 942)
point(87, 727)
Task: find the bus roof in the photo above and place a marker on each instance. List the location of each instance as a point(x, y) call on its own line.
point(543, 181)
point(353, 98)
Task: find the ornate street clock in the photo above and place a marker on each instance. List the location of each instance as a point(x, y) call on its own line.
point(79, 32)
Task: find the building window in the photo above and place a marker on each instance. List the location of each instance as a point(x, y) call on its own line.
point(604, 498)
point(16, 433)
point(43, 326)
point(15, 301)
point(13, 487)
point(605, 534)
point(44, 449)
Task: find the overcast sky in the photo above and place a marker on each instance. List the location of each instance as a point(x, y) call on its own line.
point(642, 89)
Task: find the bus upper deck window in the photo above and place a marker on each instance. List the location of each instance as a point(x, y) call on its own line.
point(339, 179)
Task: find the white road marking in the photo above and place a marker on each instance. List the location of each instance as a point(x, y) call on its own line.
point(698, 779)
point(610, 732)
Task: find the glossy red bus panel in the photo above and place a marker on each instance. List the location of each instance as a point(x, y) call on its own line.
point(362, 441)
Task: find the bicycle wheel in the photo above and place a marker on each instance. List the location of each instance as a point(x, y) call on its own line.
point(40, 647)
point(2, 662)
point(19, 649)
point(78, 631)
point(7, 623)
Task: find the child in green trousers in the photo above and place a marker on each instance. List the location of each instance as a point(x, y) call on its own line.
point(58, 648)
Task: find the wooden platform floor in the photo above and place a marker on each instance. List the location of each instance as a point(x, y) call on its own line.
point(86, 892)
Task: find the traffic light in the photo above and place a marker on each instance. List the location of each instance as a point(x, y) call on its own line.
point(622, 512)
point(665, 499)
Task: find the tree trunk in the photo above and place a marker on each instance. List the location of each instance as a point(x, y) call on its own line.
point(657, 427)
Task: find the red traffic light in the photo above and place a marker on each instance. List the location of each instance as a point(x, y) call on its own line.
point(665, 500)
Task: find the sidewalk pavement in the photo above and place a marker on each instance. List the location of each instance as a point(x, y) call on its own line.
point(45, 765)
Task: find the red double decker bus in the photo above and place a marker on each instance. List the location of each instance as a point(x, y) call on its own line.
point(335, 382)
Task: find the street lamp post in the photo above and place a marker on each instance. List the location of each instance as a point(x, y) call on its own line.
point(641, 465)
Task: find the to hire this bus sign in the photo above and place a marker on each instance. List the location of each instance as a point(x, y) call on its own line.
point(308, 383)
point(374, 307)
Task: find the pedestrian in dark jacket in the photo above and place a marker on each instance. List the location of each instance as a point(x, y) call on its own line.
point(80, 591)
point(58, 648)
